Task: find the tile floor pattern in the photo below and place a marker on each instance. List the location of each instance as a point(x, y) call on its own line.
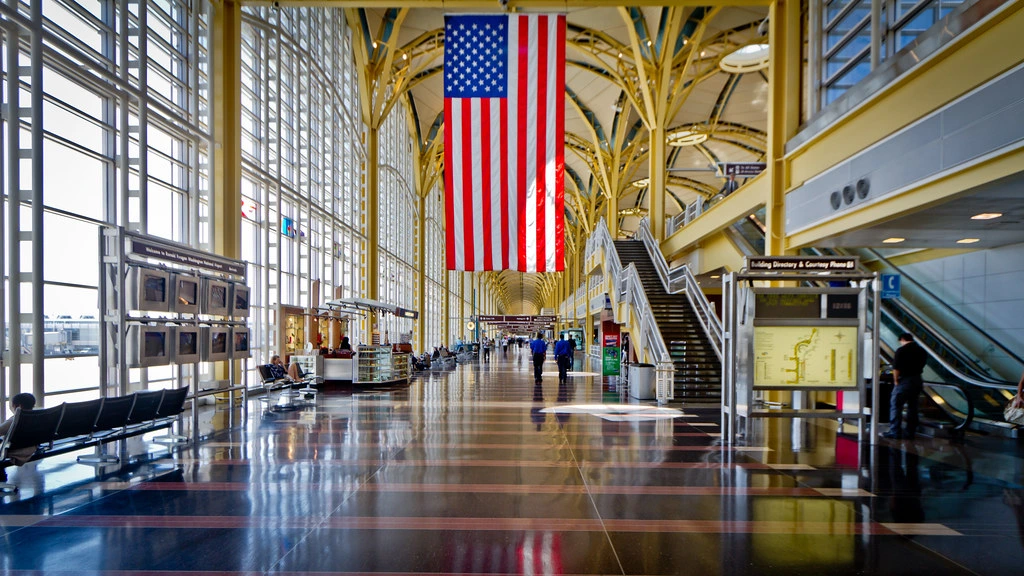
point(471, 472)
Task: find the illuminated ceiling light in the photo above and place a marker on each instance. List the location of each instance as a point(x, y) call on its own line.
point(715, 276)
point(374, 43)
point(648, 42)
point(745, 59)
point(641, 183)
point(702, 53)
point(986, 216)
point(405, 56)
point(634, 211)
point(968, 240)
point(620, 54)
point(893, 240)
point(688, 136)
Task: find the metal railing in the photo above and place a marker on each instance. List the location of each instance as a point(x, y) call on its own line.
point(627, 287)
point(680, 279)
point(688, 214)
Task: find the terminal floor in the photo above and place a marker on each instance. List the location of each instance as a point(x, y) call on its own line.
point(480, 471)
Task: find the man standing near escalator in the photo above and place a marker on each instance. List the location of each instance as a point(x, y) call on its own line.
point(907, 367)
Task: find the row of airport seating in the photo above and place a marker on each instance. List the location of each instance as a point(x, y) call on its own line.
point(76, 425)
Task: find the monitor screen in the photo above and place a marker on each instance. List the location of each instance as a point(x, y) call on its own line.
point(242, 341)
point(218, 296)
point(154, 344)
point(155, 289)
point(241, 299)
point(188, 343)
point(188, 292)
point(218, 342)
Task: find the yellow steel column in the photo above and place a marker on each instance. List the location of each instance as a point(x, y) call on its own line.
point(226, 128)
point(656, 203)
point(421, 271)
point(783, 113)
point(612, 214)
point(371, 226)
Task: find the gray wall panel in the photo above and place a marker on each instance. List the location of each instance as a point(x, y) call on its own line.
point(976, 124)
point(987, 134)
point(1003, 93)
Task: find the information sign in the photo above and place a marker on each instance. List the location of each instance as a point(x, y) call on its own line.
point(890, 286)
point(742, 169)
point(802, 264)
point(811, 356)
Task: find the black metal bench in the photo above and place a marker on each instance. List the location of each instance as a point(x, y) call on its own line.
point(76, 425)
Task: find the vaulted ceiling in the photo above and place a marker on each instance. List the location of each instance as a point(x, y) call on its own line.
point(606, 135)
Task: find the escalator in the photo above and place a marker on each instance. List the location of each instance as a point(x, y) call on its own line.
point(958, 385)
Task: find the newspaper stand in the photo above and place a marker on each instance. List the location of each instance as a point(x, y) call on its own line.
point(810, 336)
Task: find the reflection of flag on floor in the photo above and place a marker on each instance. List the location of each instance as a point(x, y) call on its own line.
point(504, 127)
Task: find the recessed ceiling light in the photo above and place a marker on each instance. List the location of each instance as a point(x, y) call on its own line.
point(893, 240)
point(968, 240)
point(746, 59)
point(688, 136)
point(715, 276)
point(986, 216)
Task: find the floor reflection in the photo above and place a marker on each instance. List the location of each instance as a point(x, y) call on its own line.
point(479, 470)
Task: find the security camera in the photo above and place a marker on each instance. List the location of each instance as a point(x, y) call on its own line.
point(504, 3)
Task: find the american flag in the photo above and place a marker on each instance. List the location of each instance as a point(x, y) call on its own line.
point(504, 128)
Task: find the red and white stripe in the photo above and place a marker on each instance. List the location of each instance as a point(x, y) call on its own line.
point(504, 160)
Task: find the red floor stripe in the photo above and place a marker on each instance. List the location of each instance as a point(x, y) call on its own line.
point(468, 524)
point(485, 488)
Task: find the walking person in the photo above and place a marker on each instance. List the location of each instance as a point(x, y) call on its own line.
point(487, 349)
point(539, 349)
point(907, 367)
point(563, 356)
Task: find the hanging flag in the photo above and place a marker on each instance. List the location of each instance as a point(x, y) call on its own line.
point(504, 128)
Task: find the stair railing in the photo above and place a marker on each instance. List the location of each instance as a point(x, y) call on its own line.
point(628, 288)
point(680, 279)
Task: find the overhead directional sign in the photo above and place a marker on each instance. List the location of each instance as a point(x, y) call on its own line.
point(890, 286)
point(499, 319)
point(742, 169)
point(802, 263)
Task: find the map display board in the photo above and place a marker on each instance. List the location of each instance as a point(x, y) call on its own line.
point(805, 356)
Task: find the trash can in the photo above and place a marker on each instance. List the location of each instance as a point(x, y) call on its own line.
point(642, 383)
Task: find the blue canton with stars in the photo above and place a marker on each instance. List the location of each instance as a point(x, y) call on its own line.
point(475, 56)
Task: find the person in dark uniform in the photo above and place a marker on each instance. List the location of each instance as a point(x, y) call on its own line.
point(907, 367)
point(539, 349)
point(563, 356)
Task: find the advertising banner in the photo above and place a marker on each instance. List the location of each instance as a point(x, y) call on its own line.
point(610, 361)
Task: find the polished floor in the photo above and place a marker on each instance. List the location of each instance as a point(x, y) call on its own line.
point(480, 471)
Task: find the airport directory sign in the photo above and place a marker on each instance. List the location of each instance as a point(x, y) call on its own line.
point(818, 356)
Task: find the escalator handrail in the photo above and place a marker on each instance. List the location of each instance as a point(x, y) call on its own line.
point(940, 337)
point(947, 307)
point(1003, 385)
point(970, 402)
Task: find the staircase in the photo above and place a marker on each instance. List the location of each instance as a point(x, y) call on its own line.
point(698, 376)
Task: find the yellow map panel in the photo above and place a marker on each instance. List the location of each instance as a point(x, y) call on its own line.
point(805, 356)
